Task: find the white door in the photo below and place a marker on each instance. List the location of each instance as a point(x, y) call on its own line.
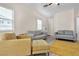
point(77, 27)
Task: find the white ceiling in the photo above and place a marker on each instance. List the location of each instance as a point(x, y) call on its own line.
point(46, 11)
point(53, 9)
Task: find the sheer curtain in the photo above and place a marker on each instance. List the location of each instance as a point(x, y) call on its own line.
point(39, 24)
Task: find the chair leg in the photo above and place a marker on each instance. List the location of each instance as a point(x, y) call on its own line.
point(48, 53)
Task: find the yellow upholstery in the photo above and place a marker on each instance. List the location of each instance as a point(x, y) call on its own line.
point(15, 47)
point(39, 46)
point(8, 36)
point(22, 36)
point(11, 46)
point(65, 48)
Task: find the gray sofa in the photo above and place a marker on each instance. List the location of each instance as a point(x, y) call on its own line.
point(37, 34)
point(66, 34)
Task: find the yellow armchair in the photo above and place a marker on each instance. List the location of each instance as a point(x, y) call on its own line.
point(15, 47)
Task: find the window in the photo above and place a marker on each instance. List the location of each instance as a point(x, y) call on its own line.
point(39, 24)
point(6, 19)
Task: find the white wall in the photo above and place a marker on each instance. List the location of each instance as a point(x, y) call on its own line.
point(64, 20)
point(24, 17)
point(45, 21)
point(51, 25)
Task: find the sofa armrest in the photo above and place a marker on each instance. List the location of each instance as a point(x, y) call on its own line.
point(15, 47)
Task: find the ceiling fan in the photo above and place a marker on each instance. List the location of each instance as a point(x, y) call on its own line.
point(46, 5)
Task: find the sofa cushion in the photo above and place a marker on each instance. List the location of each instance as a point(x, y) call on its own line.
point(70, 37)
point(40, 46)
point(65, 32)
point(60, 32)
point(34, 33)
point(23, 36)
point(38, 33)
point(8, 36)
point(68, 32)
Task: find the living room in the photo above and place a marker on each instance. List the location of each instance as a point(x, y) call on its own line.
point(46, 26)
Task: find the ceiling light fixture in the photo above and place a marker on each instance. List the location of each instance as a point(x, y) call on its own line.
point(46, 5)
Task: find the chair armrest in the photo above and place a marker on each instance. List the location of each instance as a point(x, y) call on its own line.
point(22, 36)
point(15, 47)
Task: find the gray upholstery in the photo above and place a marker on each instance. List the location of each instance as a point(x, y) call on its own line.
point(66, 34)
point(37, 34)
